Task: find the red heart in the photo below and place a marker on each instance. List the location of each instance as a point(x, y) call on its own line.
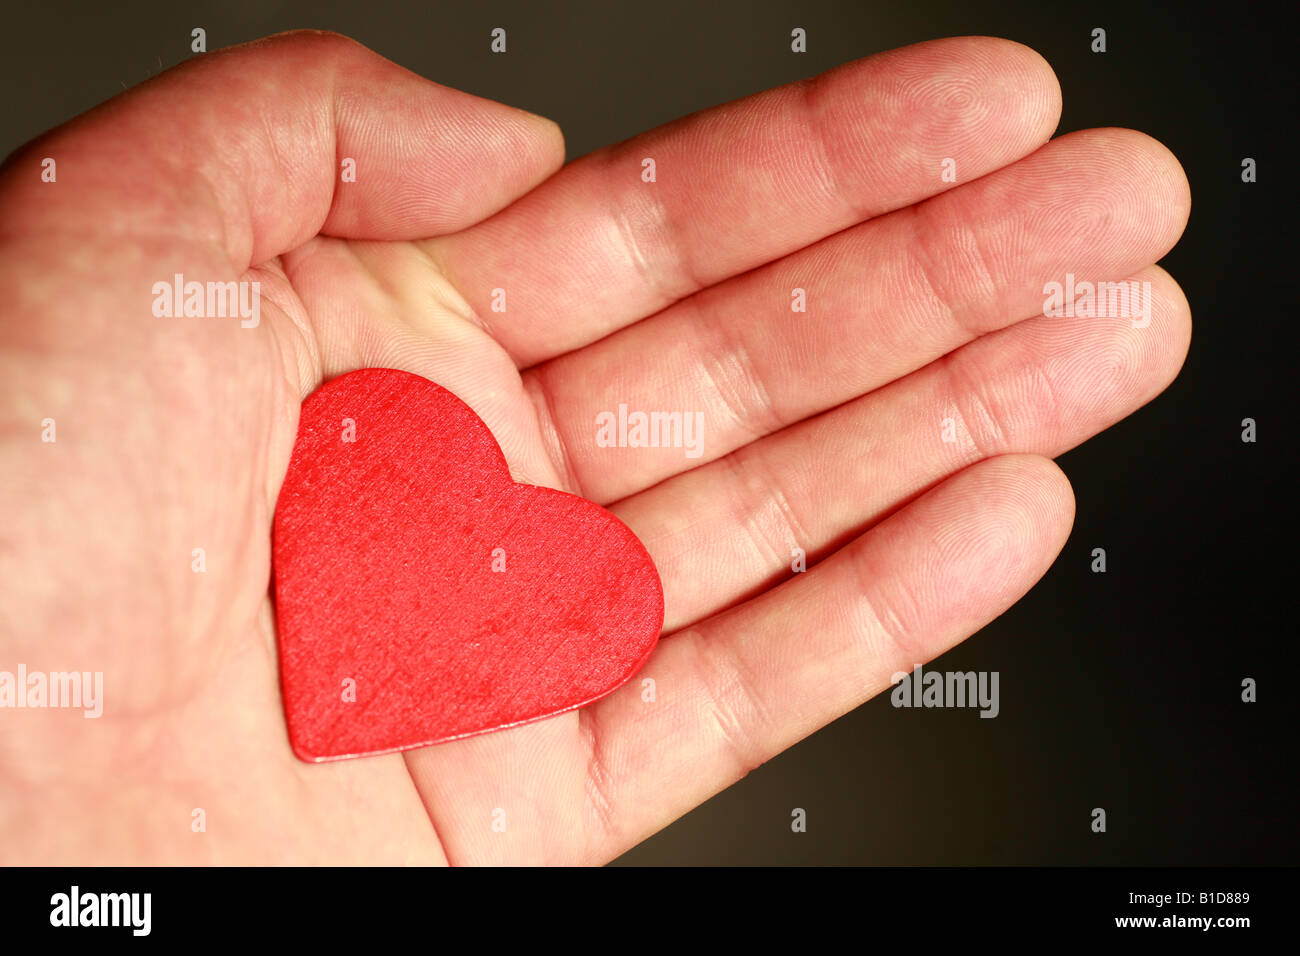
point(385, 549)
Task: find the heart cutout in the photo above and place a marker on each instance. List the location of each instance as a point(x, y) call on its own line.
point(422, 595)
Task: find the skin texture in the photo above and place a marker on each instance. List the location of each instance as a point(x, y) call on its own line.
point(822, 429)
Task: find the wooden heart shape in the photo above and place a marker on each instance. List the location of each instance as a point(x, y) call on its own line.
point(422, 595)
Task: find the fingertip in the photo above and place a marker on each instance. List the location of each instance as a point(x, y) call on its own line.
point(1046, 489)
point(1153, 169)
point(1172, 320)
point(1015, 77)
point(1028, 72)
point(1052, 497)
point(542, 141)
point(1024, 508)
point(550, 137)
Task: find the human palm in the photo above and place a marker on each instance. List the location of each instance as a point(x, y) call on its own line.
point(896, 431)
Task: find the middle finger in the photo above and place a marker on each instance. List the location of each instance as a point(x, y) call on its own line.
point(735, 362)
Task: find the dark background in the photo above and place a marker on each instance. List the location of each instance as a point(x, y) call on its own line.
point(1118, 690)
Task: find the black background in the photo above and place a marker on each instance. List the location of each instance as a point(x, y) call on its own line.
point(1118, 690)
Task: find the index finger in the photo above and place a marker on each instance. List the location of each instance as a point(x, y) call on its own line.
point(598, 246)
